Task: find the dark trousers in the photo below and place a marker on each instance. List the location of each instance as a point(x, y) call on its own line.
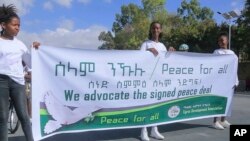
point(15, 91)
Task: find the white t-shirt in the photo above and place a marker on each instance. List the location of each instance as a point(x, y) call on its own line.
point(12, 52)
point(152, 44)
point(227, 51)
point(223, 51)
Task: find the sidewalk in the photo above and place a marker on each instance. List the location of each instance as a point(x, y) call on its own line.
point(196, 130)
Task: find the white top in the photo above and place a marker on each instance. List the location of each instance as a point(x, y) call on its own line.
point(152, 44)
point(223, 51)
point(227, 51)
point(12, 52)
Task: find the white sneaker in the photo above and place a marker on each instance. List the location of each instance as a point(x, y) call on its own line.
point(155, 133)
point(144, 134)
point(225, 124)
point(217, 125)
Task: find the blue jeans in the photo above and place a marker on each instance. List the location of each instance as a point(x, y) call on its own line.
point(15, 91)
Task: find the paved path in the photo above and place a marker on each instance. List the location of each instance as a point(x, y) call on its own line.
point(196, 130)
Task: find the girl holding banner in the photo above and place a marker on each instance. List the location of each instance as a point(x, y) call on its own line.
point(223, 44)
point(155, 46)
point(12, 52)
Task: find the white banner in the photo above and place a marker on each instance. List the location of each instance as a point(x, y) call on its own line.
point(77, 90)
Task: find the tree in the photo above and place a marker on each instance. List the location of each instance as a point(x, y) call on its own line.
point(192, 12)
point(242, 36)
point(153, 7)
point(108, 40)
point(191, 25)
point(131, 26)
point(247, 12)
point(194, 23)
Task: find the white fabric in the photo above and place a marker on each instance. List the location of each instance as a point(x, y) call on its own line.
point(172, 87)
point(223, 51)
point(152, 44)
point(227, 51)
point(12, 52)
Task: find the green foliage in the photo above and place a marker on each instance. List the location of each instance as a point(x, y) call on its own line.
point(128, 14)
point(129, 27)
point(108, 40)
point(192, 12)
point(153, 7)
point(247, 11)
point(240, 33)
point(192, 25)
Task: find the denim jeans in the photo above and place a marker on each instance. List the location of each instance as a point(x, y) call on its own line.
point(15, 91)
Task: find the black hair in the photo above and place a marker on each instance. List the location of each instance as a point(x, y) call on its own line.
point(223, 34)
point(150, 34)
point(7, 13)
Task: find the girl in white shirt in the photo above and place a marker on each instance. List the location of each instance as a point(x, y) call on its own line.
point(12, 52)
point(155, 46)
point(223, 43)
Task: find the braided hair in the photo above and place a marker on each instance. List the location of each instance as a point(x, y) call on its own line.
point(7, 13)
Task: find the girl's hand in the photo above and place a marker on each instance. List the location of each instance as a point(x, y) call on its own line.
point(36, 45)
point(153, 50)
point(27, 77)
point(171, 49)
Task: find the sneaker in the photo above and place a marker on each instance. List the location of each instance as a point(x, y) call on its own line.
point(225, 124)
point(217, 125)
point(155, 133)
point(144, 134)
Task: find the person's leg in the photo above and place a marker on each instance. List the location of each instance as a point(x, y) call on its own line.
point(4, 108)
point(144, 134)
point(215, 119)
point(18, 96)
point(216, 124)
point(223, 119)
point(29, 107)
point(224, 122)
point(156, 134)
